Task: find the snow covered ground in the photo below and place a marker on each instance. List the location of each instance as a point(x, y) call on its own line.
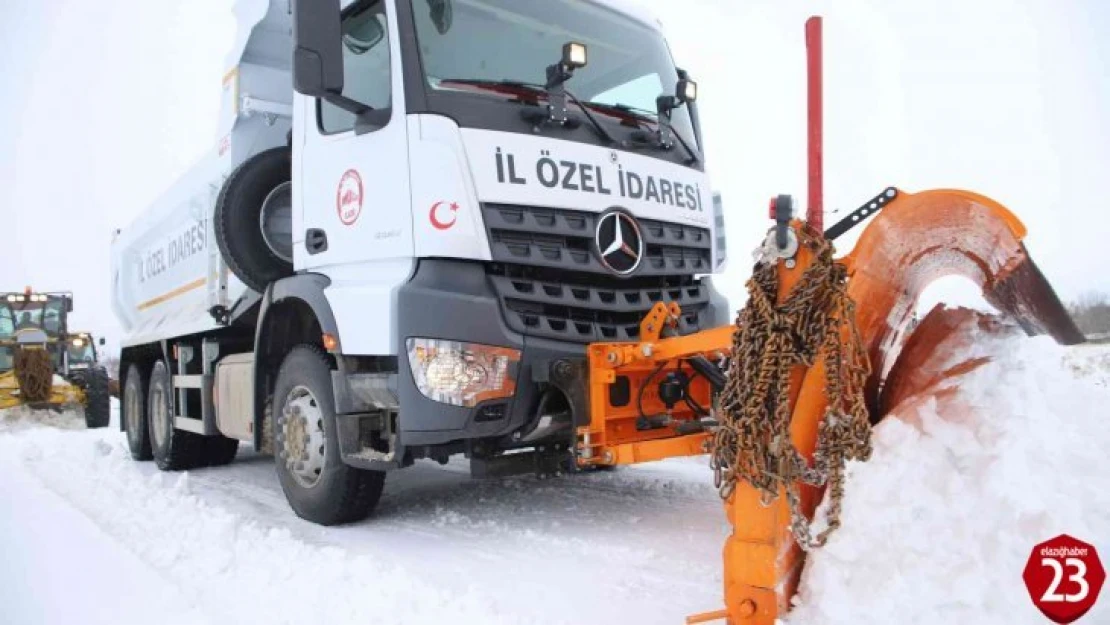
point(938, 524)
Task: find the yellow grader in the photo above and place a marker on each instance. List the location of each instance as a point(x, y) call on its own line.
point(43, 364)
point(824, 348)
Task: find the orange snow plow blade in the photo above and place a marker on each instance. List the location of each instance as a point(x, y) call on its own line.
point(921, 237)
point(916, 239)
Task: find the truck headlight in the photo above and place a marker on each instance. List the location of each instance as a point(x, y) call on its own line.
point(462, 374)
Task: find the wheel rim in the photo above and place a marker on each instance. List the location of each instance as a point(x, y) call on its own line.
point(159, 414)
point(276, 221)
point(134, 412)
point(302, 437)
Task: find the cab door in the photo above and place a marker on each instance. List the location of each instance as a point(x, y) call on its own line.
point(355, 216)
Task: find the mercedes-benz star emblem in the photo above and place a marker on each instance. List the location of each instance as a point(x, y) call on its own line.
point(620, 245)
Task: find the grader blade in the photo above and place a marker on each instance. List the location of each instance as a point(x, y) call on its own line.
point(31, 381)
point(61, 395)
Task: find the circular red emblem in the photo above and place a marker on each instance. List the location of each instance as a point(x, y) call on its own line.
point(348, 197)
point(1064, 576)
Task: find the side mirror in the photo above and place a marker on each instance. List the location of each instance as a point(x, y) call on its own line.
point(317, 48)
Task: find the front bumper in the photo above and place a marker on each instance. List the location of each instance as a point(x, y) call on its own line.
point(455, 300)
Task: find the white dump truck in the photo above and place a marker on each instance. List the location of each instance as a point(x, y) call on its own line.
point(416, 216)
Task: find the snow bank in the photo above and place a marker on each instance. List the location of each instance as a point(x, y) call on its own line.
point(938, 525)
point(1091, 362)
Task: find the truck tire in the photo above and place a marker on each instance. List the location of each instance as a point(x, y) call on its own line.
point(97, 401)
point(132, 411)
point(178, 450)
point(237, 218)
point(318, 486)
point(219, 450)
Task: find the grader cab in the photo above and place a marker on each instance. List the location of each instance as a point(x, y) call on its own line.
point(43, 364)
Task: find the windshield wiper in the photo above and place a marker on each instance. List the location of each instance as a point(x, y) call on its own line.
point(623, 111)
point(507, 86)
point(641, 116)
point(693, 155)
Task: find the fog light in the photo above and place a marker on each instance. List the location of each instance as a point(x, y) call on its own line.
point(461, 374)
point(491, 412)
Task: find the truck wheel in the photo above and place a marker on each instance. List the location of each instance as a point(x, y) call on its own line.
point(238, 222)
point(318, 486)
point(173, 449)
point(219, 450)
point(97, 401)
point(133, 413)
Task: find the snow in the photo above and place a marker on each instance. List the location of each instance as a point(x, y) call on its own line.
point(936, 526)
point(639, 544)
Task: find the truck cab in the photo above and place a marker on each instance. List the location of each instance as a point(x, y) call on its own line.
point(417, 216)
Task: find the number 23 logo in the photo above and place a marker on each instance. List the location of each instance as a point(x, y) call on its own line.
point(1079, 577)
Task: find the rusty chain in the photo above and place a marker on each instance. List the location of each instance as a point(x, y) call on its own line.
point(34, 373)
point(753, 442)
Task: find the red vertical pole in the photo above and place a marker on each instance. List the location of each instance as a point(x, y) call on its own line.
point(815, 214)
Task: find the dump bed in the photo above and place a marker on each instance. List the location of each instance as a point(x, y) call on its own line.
point(166, 267)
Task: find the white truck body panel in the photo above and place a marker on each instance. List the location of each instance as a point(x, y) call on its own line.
point(160, 263)
point(445, 201)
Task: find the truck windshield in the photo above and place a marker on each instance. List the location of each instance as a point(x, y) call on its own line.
point(628, 63)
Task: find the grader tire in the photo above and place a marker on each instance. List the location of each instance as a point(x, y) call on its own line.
point(35, 374)
point(97, 402)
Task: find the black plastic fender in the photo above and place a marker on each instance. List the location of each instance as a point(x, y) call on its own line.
point(308, 289)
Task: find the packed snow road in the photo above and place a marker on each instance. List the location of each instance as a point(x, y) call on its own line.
point(938, 523)
point(640, 544)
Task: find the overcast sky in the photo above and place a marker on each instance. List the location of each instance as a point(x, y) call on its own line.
point(103, 104)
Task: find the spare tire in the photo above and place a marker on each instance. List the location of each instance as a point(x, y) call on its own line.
point(238, 218)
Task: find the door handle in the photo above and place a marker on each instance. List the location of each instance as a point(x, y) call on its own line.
point(316, 241)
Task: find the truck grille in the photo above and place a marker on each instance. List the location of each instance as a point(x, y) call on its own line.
point(551, 285)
